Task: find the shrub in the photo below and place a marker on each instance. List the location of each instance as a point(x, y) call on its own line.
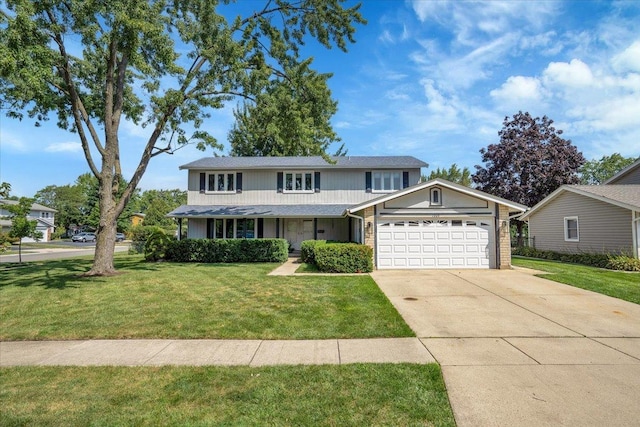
point(613, 262)
point(344, 258)
point(227, 251)
point(155, 247)
point(139, 235)
point(623, 262)
point(307, 250)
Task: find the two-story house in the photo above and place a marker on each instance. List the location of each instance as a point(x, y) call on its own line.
point(378, 201)
point(44, 215)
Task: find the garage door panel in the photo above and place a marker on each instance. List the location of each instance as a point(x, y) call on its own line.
point(426, 243)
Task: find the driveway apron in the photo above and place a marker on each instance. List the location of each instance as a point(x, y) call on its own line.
point(520, 350)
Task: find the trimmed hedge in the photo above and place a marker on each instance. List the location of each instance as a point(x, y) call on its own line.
point(307, 250)
point(227, 251)
point(608, 261)
point(343, 258)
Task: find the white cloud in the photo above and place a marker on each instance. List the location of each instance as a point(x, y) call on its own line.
point(573, 74)
point(629, 59)
point(64, 147)
point(518, 90)
point(10, 142)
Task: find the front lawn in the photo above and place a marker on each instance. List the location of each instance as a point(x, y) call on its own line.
point(49, 300)
point(331, 395)
point(618, 284)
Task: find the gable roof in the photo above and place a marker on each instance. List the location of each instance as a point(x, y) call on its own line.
point(513, 206)
point(624, 196)
point(633, 167)
point(315, 162)
point(34, 207)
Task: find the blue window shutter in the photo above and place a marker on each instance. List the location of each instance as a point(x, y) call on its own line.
point(280, 181)
point(316, 180)
point(239, 182)
point(405, 179)
point(203, 182)
point(367, 181)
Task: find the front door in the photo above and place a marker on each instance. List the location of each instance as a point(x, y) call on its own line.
point(298, 230)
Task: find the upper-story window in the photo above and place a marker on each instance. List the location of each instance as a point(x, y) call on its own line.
point(436, 197)
point(221, 182)
point(297, 182)
point(387, 180)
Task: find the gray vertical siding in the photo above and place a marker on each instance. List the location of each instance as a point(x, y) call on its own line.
point(603, 228)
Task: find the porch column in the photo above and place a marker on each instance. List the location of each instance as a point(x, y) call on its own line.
point(179, 228)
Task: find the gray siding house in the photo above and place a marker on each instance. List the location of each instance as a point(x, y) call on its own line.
point(378, 201)
point(590, 218)
point(44, 216)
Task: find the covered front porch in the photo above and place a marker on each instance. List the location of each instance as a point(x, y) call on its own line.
point(295, 223)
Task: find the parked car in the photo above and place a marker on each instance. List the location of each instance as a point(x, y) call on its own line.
point(119, 237)
point(84, 237)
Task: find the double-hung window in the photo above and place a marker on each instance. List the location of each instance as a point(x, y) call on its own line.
point(298, 182)
point(221, 182)
point(387, 180)
point(571, 230)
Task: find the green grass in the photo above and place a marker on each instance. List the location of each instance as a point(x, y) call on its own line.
point(331, 395)
point(50, 300)
point(618, 284)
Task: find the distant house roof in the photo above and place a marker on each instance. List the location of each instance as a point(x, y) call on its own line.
point(625, 196)
point(34, 207)
point(624, 172)
point(315, 162)
point(280, 211)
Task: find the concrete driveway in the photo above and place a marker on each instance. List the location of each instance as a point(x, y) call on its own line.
point(518, 350)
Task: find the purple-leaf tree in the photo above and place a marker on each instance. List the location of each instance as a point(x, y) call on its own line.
point(530, 162)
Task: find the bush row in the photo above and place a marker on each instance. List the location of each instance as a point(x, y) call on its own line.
point(227, 251)
point(609, 261)
point(307, 250)
point(337, 257)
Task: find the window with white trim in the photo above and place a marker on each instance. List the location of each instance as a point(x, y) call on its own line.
point(298, 182)
point(571, 229)
point(386, 180)
point(436, 197)
point(221, 182)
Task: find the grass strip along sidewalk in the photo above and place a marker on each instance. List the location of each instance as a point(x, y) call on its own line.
point(50, 301)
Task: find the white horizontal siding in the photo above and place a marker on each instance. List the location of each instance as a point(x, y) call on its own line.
point(603, 228)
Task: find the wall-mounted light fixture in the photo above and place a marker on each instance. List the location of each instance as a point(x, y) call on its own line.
point(369, 225)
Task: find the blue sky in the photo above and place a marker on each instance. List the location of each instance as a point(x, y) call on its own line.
point(432, 79)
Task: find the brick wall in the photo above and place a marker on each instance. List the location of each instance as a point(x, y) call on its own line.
point(504, 238)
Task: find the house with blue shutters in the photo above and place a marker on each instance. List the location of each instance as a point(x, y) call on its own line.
point(375, 200)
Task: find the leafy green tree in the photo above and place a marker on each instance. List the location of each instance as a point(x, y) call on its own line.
point(598, 171)
point(530, 162)
point(5, 190)
point(21, 225)
point(453, 174)
point(68, 200)
point(163, 64)
point(286, 120)
point(156, 204)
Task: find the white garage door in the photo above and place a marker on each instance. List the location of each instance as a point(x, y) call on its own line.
point(433, 243)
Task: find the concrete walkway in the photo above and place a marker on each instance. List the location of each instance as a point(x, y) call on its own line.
point(213, 352)
point(518, 350)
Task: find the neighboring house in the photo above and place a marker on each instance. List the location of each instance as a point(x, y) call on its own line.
point(44, 215)
point(377, 201)
point(137, 219)
point(590, 218)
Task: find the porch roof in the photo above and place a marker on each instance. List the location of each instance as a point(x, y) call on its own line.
point(259, 211)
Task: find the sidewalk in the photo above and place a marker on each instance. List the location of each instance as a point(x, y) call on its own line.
point(253, 353)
